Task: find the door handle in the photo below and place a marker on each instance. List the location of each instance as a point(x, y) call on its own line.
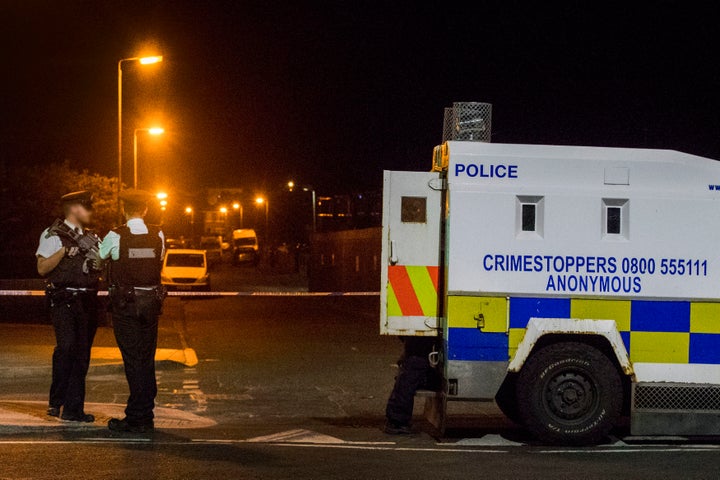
point(393, 253)
point(480, 319)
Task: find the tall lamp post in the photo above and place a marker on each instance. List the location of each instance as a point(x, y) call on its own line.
point(308, 188)
point(260, 201)
point(238, 206)
point(151, 131)
point(162, 197)
point(142, 61)
point(224, 212)
point(191, 213)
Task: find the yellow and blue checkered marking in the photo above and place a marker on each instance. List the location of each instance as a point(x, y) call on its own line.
point(653, 331)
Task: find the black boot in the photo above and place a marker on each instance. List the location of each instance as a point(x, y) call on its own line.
point(118, 425)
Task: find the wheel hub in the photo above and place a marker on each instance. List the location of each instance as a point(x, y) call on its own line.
point(570, 395)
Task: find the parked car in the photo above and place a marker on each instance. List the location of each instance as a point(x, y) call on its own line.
point(213, 246)
point(245, 246)
point(174, 243)
point(185, 269)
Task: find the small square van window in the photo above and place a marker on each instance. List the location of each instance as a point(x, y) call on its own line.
point(615, 218)
point(528, 217)
point(413, 210)
point(614, 215)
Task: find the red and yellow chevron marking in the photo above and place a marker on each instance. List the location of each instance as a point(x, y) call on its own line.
point(412, 291)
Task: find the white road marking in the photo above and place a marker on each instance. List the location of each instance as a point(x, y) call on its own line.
point(191, 388)
point(488, 441)
point(25, 413)
point(366, 447)
point(307, 437)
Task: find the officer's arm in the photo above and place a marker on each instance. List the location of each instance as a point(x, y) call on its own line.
point(109, 247)
point(162, 238)
point(47, 265)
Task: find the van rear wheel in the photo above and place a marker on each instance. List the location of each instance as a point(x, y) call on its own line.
point(569, 393)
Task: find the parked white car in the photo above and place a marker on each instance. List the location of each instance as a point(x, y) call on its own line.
point(185, 269)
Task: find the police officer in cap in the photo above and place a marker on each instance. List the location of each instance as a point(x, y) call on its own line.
point(136, 251)
point(72, 297)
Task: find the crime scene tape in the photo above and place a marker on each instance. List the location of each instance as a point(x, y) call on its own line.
point(41, 293)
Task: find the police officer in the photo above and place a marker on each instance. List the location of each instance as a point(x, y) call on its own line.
point(136, 251)
point(415, 373)
point(72, 296)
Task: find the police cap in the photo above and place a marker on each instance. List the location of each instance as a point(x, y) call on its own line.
point(83, 197)
point(135, 197)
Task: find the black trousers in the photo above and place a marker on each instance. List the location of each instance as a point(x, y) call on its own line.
point(74, 320)
point(414, 374)
point(136, 332)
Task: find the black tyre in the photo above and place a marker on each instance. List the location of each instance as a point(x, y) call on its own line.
point(569, 394)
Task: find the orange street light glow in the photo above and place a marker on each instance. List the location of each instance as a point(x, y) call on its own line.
point(259, 200)
point(236, 206)
point(291, 184)
point(156, 131)
point(163, 203)
point(223, 210)
point(188, 209)
point(161, 195)
point(149, 60)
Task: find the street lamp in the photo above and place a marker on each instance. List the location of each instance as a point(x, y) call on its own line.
point(191, 213)
point(262, 201)
point(151, 131)
point(142, 61)
point(307, 188)
point(314, 206)
point(238, 206)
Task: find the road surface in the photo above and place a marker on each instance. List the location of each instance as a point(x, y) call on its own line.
point(295, 388)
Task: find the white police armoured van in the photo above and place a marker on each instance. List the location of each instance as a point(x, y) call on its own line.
point(573, 285)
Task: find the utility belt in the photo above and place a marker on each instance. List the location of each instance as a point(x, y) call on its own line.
point(66, 295)
point(122, 297)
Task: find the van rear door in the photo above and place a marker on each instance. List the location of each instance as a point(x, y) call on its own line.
point(410, 255)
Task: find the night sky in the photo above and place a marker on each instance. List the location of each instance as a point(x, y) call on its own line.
point(330, 93)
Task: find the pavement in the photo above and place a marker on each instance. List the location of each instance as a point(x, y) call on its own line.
point(26, 350)
point(287, 387)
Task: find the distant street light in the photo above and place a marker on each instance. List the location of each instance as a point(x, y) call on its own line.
point(142, 61)
point(262, 201)
point(314, 206)
point(161, 195)
point(291, 185)
point(150, 60)
point(191, 213)
point(151, 131)
point(238, 206)
point(223, 210)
